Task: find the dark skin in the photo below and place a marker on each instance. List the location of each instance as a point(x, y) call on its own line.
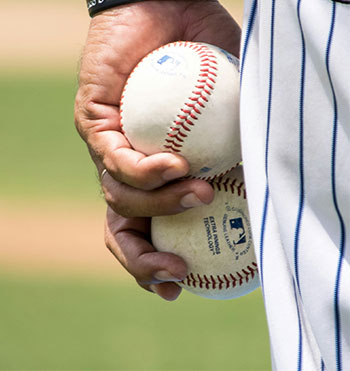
point(136, 186)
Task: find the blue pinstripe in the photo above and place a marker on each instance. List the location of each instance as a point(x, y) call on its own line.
point(267, 191)
point(301, 153)
point(302, 191)
point(300, 340)
point(337, 319)
point(262, 236)
point(250, 26)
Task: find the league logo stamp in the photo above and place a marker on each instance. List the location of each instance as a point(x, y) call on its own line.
point(239, 235)
point(169, 63)
point(234, 230)
point(237, 231)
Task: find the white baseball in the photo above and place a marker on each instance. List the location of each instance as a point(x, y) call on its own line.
point(214, 240)
point(184, 98)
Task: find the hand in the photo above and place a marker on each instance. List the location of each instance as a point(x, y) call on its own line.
point(128, 239)
point(118, 38)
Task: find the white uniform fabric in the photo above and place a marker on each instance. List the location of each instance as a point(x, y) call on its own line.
point(295, 125)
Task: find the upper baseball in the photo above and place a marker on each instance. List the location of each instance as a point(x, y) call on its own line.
point(184, 98)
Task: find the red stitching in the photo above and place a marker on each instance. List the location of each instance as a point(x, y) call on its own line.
point(207, 70)
point(218, 176)
point(173, 143)
point(240, 278)
point(207, 282)
point(227, 281)
point(177, 137)
point(182, 124)
point(204, 87)
point(239, 189)
point(208, 59)
point(234, 280)
point(172, 148)
point(229, 185)
point(179, 134)
point(225, 183)
point(191, 105)
point(221, 282)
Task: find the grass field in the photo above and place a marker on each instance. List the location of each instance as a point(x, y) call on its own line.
point(84, 324)
point(43, 155)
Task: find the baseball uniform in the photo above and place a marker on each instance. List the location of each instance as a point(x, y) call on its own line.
point(295, 127)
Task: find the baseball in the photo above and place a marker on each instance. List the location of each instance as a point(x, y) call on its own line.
point(184, 98)
point(214, 240)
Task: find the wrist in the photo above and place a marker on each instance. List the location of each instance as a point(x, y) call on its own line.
point(96, 6)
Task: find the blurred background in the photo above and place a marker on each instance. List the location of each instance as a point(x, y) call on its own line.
point(65, 303)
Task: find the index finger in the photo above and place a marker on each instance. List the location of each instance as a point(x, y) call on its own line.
point(129, 241)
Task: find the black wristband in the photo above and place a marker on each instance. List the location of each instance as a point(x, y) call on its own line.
point(96, 6)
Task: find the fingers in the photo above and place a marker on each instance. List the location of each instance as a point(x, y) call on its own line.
point(168, 291)
point(111, 149)
point(170, 199)
point(128, 240)
point(144, 172)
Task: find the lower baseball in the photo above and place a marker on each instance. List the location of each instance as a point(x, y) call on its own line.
point(215, 241)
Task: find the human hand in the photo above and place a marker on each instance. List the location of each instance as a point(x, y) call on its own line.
point(134, 186)
point(129, 241)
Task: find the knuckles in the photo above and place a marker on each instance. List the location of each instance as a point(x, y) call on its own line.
point(85, 111)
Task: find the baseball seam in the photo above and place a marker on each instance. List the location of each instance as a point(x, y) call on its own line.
point(194, 105)
point(233, 185)
point(221, 282)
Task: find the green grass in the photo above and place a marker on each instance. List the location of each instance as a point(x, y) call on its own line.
point(69, 324)
point(42, 156)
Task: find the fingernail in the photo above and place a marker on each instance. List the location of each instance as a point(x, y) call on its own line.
point(153, 288)
point(166, 276)
point(173, 173)
point(191, 200)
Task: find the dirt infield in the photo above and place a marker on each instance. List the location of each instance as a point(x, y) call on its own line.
point(46, 35)
point(42, 34)
point(55, 238)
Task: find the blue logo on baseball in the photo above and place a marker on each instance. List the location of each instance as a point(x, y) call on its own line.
point(238, 226)
point(169, 64)
point(170, 61)
point(164, 59)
